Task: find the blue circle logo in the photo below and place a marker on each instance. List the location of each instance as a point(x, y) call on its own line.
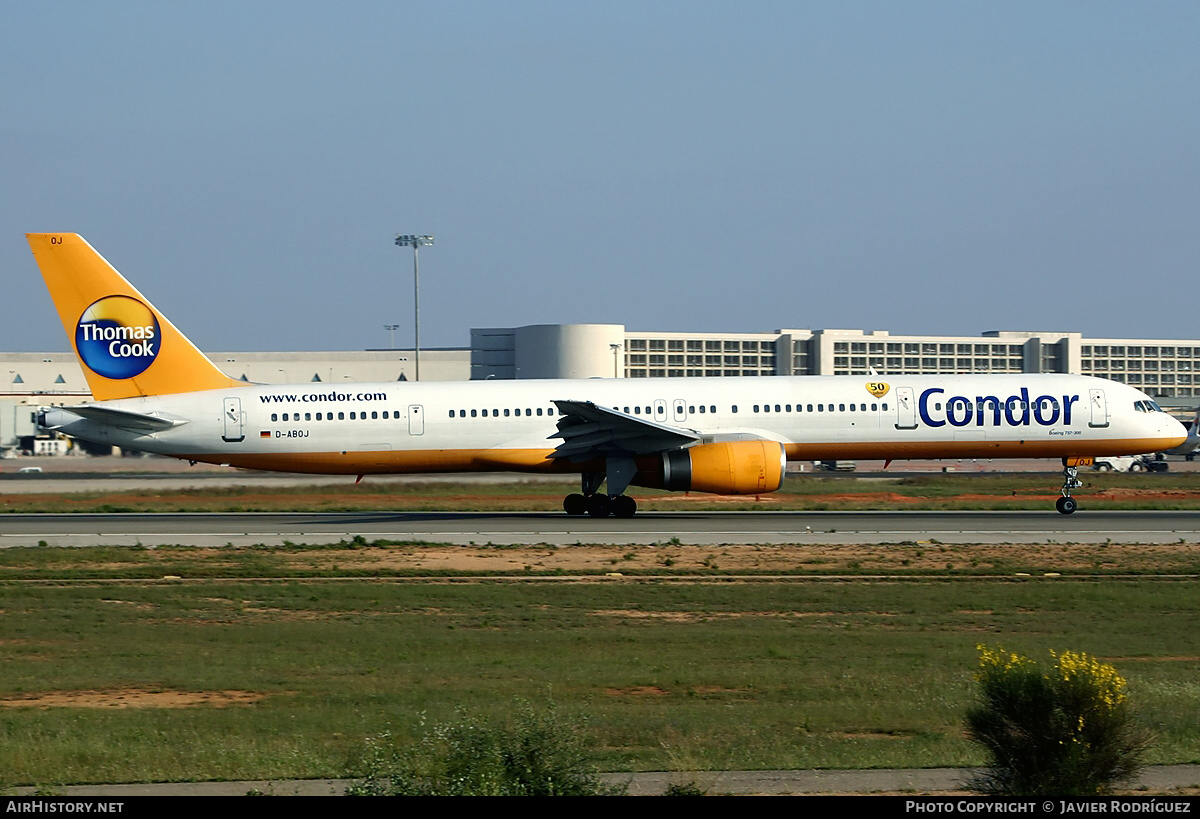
point(117, 337)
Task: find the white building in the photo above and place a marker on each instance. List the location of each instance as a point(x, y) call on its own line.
point(1165, 368)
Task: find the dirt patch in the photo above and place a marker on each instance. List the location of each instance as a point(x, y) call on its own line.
point(1133, 493)
point(132, 698)
point(637, 691)
point(136, 604)
point(655, 563)
point(697, 616)
point(631, 563)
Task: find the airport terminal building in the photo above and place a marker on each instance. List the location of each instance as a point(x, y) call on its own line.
point(1168, 369)
point(1164, 368)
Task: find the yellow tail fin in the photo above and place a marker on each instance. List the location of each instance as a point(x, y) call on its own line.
point(125, 347)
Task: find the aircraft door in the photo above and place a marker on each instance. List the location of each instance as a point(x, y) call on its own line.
point(660, 410)
point(1099, 408)
point(906, 408)
point(232, 418)
point(416, 419)
point(680, 409)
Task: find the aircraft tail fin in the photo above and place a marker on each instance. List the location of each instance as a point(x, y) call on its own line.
point(126, 348)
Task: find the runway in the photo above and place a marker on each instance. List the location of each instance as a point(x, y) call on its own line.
point(707, 528)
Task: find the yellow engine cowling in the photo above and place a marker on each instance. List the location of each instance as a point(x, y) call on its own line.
point(728, 468)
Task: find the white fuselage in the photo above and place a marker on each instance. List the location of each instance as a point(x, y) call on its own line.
point(507, 425)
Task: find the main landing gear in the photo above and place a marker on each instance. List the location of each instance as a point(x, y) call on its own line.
point(1067, 504)
point(599, 505)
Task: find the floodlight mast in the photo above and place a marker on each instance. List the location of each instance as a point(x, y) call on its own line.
point(415, 242)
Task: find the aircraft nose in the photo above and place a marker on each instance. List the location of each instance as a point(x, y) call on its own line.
point(1173, 429)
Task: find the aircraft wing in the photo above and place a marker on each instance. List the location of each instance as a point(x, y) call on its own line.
point(589, 430)
point(124, 419)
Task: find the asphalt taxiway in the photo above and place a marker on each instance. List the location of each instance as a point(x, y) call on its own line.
point(558, 529)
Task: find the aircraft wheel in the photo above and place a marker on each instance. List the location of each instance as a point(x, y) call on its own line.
point(575, 504)
point(1066, 505)
point(623, 506)
point(599, 506)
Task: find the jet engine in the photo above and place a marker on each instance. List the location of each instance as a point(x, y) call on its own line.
point(726, 468)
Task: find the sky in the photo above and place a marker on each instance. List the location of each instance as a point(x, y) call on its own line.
point(918, 167)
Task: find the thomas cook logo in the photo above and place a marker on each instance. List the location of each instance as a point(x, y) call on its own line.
point(117, 337)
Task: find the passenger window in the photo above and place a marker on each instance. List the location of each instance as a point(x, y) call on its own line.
point(375, 415)
point(274, 417)
point(341, 416)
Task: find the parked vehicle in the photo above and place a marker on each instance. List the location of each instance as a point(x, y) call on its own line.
point(1132, 463)
point(835, 466)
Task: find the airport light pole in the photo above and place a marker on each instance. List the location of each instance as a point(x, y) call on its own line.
point(416, 242)
point(391, 328)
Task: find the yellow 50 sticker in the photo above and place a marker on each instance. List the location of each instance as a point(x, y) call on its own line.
point(877, 388)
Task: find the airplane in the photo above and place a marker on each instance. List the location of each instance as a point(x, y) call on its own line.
point(1189, 447)
point(155, 391)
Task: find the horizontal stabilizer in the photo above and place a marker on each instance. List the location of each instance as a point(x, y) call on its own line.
point(124, 419)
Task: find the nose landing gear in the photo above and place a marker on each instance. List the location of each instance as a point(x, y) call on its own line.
point(1066, 504)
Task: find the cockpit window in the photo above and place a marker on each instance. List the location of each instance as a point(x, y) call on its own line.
point(1146, 406)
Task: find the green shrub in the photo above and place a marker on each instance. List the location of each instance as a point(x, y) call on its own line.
point(1067, 731)
point(531, 754)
